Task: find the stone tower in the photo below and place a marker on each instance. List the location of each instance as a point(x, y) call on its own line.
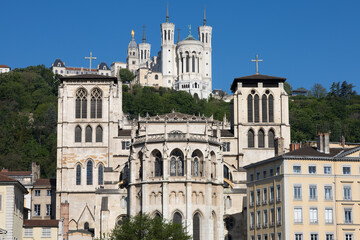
point(205, 37)
point(132, 59)
point(144, 52)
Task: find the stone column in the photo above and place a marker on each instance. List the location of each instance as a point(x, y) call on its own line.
point(165, 201)
point(188, 214)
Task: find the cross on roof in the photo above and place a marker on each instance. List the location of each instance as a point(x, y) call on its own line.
point(90, 58)
point(257, 60)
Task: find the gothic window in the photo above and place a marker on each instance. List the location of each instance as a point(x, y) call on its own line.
point(196, 227)
point(99, 134)
point(96, 103)
point(78, 134)
point(176, 163)
point(197, 164)
point(177, 218)
point(250, 108)
point(101, 175)
point(81, 103)
point(202, 37)
point(271, 108)
point(78, 175)
point(251, 139)
point(158, 164)
point(264, 108)
point(182, 64)
point(271, 137)
point(193, 63)
point(165, 34)
point(195, 167)
point(261, 139)
point(89, 173)
point(256, 108)
point(88, 134)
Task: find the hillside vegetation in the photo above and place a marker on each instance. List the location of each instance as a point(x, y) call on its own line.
point(28, 114)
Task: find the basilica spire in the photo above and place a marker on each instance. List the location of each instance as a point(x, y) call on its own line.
point(204, 22)
point(167, 12)
point(144, 39)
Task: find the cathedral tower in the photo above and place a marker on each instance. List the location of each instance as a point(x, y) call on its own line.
point(144, 52)
point(132, 59)
point(168, 65)
point(205, 37)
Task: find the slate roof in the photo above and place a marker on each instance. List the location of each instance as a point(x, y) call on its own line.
point(41, 223)
point(102, 65)
point(256, 78)
point(45, 182)
point(58, 62)
point(313, 152)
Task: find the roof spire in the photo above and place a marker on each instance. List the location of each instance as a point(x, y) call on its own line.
point(144, 39)
point(178, 35)
point(204, 22)
point(167, 12)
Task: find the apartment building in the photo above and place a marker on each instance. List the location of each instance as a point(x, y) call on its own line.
point(310, 193)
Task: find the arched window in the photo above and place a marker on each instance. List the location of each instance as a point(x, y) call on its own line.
point(156, 77)
point(271, 108)
point(88, 134)
point(228, 202)
point(158, 164)
point(96, 103)
point(202, 37)
point(196, 227)
point(89, 173)
point(193, 64)
point(99, 134)
point(261, 139)
point(256, 108)
point(81, 103)
point(187, 62)
point(250, 108)
point(206, 37)
point(177, 218)
point(176, 163)
point(250, 138)
point(165, 34)
point(86, 226)
point(169, 36)
point(123, 202)
point(264, 108)
point(101, 175)
point(271, 137)
point(197, 164)
point(78, 175)
point(78, 134)
point(142, 54)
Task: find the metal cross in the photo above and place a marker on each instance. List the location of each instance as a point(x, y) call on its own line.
point(90, 58)
point(257, 63)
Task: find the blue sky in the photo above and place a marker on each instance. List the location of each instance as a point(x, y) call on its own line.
point(304, 41)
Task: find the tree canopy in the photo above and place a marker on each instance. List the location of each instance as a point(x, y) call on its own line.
point(126, 75)
point(143, 227)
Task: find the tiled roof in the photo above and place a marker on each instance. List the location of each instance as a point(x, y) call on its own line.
point(4, 178)
point(4, 66)
point(45, 182)
point(312, 152)
point(227, 133)
point(81, 69)
point(16, 173)
point(41, 223)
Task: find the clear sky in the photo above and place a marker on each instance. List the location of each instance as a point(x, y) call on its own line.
point(304, 41)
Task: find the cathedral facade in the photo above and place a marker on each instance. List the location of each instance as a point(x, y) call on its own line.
point(184, 168)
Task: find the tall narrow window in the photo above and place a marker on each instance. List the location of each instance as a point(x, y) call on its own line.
point(177, 218)
point(187, 62)
point(256, 108)
point(250, 138)
point(158, 164)
point(89, 173)
point(101, 175)
point(81, 103)
point(196, 164)
point(202, 37)
point(78, 175)
point(96, 103)
point(250, 108)
point(271, 108)
point(165, 34)
point(264, 108)
point(176, 163)
point(78, 134)
point(261, 139)
point(88, 134)
point(196, 227)
point(99, 134)
point(271, 137)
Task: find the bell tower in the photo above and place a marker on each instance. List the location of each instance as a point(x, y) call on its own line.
point(205, 34)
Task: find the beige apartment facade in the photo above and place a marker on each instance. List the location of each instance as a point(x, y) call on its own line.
point(308, 194)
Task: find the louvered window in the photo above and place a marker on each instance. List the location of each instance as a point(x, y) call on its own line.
point(88, 134)
point(251, 139)
point(271, 108)
point(99, 134)
point(256, 108)
point(261, 140)
point(264, 108)
point(250, 108)
point(81, 104)
point(78, 134)
point(96, 103)
point(271, 137)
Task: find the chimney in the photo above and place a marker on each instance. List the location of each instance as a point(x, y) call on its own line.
point(342, 141)
point(294, 146)
point(279, 146)
point(320, 145)
point(326, 142)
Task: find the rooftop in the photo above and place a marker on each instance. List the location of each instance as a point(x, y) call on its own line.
point(45, 182)
point(256, 78)
point(15, 173)
point(89, 77)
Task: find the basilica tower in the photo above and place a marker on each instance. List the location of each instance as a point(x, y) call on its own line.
point(144, 52)
point(132, 59)
point(205, 37)
point(168, 65)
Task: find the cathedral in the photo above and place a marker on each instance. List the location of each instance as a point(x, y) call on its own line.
point(184, 168)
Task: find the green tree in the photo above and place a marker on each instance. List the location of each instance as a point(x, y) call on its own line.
point(288, 88)
point(318, 91)
point(126, 75)
point(143, 227)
